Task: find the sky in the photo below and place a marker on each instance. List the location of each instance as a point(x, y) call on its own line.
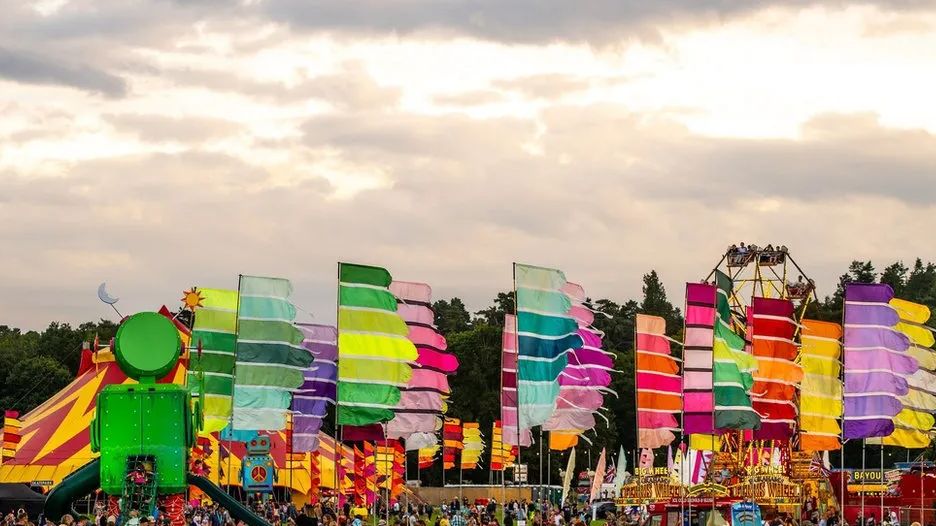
point(160, 144)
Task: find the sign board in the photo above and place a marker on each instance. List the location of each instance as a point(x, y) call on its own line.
point(520, 473)
point(644, 492)
point(768, 487)
point(745, 514)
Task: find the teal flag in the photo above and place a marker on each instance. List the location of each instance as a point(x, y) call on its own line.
point(270, 357)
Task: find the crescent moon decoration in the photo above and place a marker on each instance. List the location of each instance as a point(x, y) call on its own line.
point(104, 296)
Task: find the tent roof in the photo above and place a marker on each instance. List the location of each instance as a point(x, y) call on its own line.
point(19, 493)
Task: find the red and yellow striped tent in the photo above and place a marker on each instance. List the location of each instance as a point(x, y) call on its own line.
point(54, 437)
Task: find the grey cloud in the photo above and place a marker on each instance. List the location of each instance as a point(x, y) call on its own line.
point(351, 88)
point(839, 155)
point(160, 128)
point(525, 21)
point(30, 68)
point(466, 198)
point(548, 86)
point(470, 98)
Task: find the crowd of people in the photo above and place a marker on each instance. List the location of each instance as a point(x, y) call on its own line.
point(454, 512)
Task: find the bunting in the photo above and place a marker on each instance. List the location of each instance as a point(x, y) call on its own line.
point(270, 355)
point(876, 361)
point(821, 389)
point(913, 423)
point(422, 401)
point(374, 350)
point(732, 368)
point(473, 445)
point(214, 332)
point(778, 376)
point(310, 402)
point(697, 362)
point(659, 384)
point(545, 332)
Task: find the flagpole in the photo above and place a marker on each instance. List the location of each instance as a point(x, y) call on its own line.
point(240, 277)
point(882, 479)
point(636, 405)
point(921, 488)
point(389, 468)
point(842, 476)
point(864, 519)
point(338, 429)
point(549, 474)
point(516, 334)
point(540, 477)
point(682, 424)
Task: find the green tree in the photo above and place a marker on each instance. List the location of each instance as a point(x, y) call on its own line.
point(451, 316)
point(62, 343)
point(494, 315)
point(895, 275)
point(832, 307)
point(31, 381)
point(921, 284)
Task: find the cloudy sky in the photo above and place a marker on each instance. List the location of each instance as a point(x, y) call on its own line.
point(161, 144)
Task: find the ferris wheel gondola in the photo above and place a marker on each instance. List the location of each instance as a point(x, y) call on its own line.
point(766, 272)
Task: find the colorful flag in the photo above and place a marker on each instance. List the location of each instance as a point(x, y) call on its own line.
point(583, 381)
point(659, 384)
point(821, 390)
point(512, 433)
point(473, 445)
point(732, 368)
point(451, 441)
point(567, 477)
point(913, 423)
point(427, 456)
point(422, 401)
point(270, 355)
point(310, 402)
point(697, 362)
point(599, 477)
point(12, 430)
point(778, 376)
point(374, 350)
point(620, 474)
point(214, 332)
point(546, 331)
point(502, 456)
point(876, 361)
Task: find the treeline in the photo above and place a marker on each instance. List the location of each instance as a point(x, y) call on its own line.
point(38, 364)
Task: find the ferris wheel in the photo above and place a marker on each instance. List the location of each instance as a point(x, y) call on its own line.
point(766, 272)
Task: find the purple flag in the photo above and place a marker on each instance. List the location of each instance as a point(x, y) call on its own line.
point(310, 401)
point(875, 361)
